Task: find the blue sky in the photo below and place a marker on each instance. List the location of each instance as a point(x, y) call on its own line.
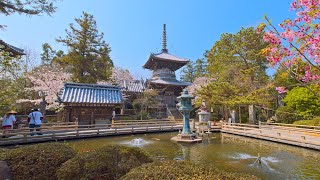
point(133, 28)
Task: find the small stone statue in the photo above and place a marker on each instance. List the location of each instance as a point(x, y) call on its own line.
point(203, 107)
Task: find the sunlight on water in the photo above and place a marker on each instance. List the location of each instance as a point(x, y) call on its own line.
point(227, 152)
point(137, 142)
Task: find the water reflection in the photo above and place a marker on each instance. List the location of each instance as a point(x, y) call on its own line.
point(224, 151)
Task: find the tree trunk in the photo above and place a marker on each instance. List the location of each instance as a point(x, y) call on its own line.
point(226, 113)
point(252, 114)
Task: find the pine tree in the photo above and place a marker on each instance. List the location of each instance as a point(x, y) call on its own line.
point(88, 57)
point(28, 7)
point(47, 54)
point(239, 71)
point(200, 68)
point(188, 72)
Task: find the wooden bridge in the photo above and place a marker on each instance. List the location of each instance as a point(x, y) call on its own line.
point(67, 131)
point(298, 135)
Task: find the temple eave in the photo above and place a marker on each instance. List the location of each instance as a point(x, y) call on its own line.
point(170, 83)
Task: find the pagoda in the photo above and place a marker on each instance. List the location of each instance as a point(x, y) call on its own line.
point(163, 66)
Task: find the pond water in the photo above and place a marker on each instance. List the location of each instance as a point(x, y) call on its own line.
point(224, 151)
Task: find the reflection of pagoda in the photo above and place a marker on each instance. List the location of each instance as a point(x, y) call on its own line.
point(163, 66)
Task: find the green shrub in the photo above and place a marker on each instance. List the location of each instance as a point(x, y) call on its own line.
point(142, 115)
point(312, 122)
point(108, 162)
point(180, 170)
point(304, 101)
point(39, 161)
point(286, 114)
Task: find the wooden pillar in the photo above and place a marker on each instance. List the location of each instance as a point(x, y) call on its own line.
point(240, 114)
point(226, 113)
point(43, 108)
point(68, 114)
point(43, 104)
point(252, 114)
point(92, 117)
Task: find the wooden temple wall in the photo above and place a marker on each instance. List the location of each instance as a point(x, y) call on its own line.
point(89, 114)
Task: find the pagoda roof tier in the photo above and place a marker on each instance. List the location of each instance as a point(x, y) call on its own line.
point(164, 60)
point(172, 82)
point(14, 50)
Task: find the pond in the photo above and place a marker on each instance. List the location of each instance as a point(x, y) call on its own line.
point(224, 151)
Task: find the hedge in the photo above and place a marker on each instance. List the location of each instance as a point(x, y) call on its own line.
point(181, 170)
point(39, 161)
point(312, 122)
point(108, 162)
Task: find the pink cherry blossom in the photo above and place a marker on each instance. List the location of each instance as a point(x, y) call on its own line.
point(49, 80)
point(271, 38)
point(281, 90)
point(297, 39)
point(288, 34)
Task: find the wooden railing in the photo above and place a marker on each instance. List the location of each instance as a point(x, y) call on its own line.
point(305, 137)
point(50, 133)
point(291, 125)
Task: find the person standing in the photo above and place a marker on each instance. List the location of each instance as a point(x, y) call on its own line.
point(113, 114)
point(35, 119)
point(7, 121)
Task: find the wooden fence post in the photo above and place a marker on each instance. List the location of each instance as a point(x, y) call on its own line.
point(25, 137)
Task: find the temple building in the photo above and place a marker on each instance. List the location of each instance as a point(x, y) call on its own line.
point(14, 51)
point(89, 103)
point(163, 66)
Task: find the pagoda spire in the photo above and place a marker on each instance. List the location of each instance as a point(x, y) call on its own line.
point(164, 39)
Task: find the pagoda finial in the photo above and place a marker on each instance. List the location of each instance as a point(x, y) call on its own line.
point(164, 39)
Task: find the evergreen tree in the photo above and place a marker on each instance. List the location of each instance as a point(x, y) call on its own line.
point(239, 70)
point(200, 68)
point(88, 57)
point(28, 7)
point(188, 72)
point(47, 54)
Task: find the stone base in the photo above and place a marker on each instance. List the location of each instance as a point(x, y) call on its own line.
point(189, 138)
point(205, 133)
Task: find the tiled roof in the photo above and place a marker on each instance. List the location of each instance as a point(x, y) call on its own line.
point(136, 86)
point(170, 82)
point(165, 59)
point(90, 93)
point(13, 49)
point(167, 56)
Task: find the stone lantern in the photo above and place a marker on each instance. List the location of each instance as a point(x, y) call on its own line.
point(204, 115)
point(185, 107)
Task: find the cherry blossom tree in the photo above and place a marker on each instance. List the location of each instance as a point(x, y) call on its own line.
point(295, 44)
point(198, 83)
point(47, 80)
point(118, 76)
